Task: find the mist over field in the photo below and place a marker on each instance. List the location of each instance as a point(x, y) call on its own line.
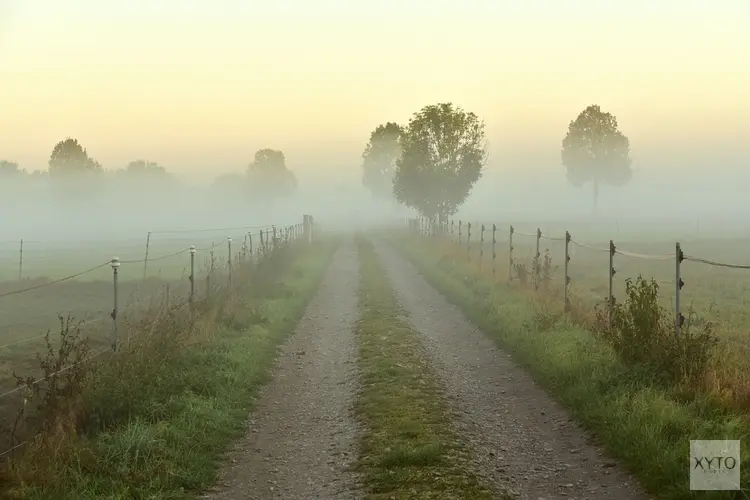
point(702, 200)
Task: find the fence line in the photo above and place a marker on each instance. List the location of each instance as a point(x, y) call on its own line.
point(22, 256)
point(427, 227)
point(268, 239)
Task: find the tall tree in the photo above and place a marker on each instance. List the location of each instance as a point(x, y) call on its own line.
point(594, 150)
point(443, 151)
point(69, 158)
point(269, 177)
point(379, 159)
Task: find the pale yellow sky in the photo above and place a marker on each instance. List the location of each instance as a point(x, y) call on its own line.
point(198, 84)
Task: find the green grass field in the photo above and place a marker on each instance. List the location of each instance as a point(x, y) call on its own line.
point(30, 308)
point(640, 416)
point(154, 419)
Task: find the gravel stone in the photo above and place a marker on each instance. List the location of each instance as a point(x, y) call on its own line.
point(302, 437)
point(522, 441)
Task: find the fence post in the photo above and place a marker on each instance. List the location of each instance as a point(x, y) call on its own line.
point(481, 246)
point(210, 272)
point(192, 275)
point(537, 264)
point(115, 263)
point(567, 277)
point(510, 253)
point(262, 243)
point(611, 299)
point(468, 239)
point(273, 241)
point(494, 240)
point(459, 232)
point(20, 263)
point(452, 221)
point(679, 318)
point(229, 261)
point(145, 259)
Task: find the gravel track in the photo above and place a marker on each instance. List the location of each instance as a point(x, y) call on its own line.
point(522, 440)
point(303, 435)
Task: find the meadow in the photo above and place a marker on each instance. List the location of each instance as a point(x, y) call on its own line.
point(68, 287)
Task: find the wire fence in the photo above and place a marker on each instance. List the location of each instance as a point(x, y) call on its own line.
point(29, 305)
point(465, 234)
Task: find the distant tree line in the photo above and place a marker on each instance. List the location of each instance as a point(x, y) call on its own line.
point(72, 170)
point(432, 163)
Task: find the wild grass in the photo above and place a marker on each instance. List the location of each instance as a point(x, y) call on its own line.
point(643, 391)
point(152, 420)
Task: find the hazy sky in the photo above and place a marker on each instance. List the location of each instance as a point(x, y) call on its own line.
point(197, 84)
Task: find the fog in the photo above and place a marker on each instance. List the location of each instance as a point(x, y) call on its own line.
point(656, 203)
point(116, 207)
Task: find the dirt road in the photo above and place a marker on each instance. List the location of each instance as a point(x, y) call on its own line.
point(523, 441)
point(302, 436)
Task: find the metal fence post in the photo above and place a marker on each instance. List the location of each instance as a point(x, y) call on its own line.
point(20, 263)
point(481, 246)
point(537, 264)
point(679, 318)
point(611, 299)
point(115, 263)
point(510, 253)
point(192, 275)
point(229, 261)
point(468, 240)
point(494, 240)
point(567, 276)
point(145, 259)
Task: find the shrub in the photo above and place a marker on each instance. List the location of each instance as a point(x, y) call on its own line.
point(643, 333)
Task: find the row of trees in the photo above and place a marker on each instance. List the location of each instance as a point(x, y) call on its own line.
point(433, 162)
point(70, 164)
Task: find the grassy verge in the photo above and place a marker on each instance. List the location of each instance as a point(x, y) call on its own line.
point(638, 418)
point(408, 449)
point(155, 421)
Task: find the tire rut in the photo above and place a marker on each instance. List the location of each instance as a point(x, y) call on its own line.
point(302, 437)
point(523, 441)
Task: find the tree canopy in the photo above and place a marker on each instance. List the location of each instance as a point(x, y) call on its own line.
point(269, 177)
point(70, 158)
point(443, 151)
point(145, 167)
point(594, 150)
point(379, 159)
point(9, 168)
